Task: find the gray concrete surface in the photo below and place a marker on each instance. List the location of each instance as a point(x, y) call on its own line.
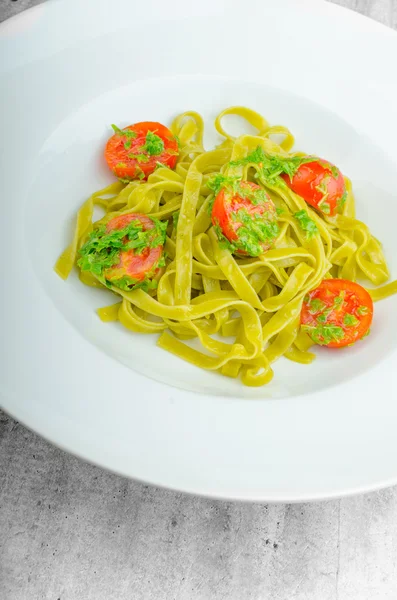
point(70, 531)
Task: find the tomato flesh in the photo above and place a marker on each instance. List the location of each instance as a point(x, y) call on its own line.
point(227, 207)
point(137, 266)
point(337, 313)
point(127, 157)
point(320, 184)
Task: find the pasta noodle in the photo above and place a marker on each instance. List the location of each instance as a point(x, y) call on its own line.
point(243, 311)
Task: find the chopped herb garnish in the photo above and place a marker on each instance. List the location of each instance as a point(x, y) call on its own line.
point(316, 305)
point(306, 223)
point(323, 185)
point(160, 165)
point(279, 211)
point(223, 241)
point(255, 194)
point(127, 133)
point(335, 171)
point(219, 181)
point(153, 145)
point(139, 173)
point(341, 201)
point(271, 166)
point(117, 130)
point(141, 157)
point(350, 320)
point(102, 249)
point(325, 207)
point(254, 233)
point(129, 283)
point(324, 334)
point(161, 263)
point(338, 300)
point(323, 317)
point(150, 238)
point(362, 310)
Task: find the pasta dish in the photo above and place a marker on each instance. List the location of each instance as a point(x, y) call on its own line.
point(235, 256)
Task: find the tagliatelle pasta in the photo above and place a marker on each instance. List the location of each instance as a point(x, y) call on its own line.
point(213, 298)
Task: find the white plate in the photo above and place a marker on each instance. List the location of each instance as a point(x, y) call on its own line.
point(69, 69)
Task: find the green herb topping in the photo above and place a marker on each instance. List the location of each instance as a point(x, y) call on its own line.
point(323, 316)
point(223, 241)
point(325, 207)
point(316, 305)
point(139, 174)
point(324, 334)
point(306, 223)
point(129, 283)
point(160, 165)
point(341, 201)
point(256, 195)
point(141, 157)
point(153, 145)
point(102, 250)
point(219, 181)
point(254, 233)
point(127, 133)
point(350, 320)
point(271, 166)
point(339, 300)
point(362, 310)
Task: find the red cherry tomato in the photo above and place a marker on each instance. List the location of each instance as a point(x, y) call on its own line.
point(320, 184)
point(140, 265)
point(337, 313)
point(247, 218)
point(133, 152)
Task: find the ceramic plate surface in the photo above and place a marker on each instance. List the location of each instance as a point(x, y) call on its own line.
point(68, 69)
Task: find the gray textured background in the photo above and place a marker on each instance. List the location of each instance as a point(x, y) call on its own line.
point(70, 531)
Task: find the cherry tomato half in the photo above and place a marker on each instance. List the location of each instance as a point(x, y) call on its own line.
point(246, 216)
point(133, 152)
point(137, 265)
point(320, 184)
point(337, 313)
